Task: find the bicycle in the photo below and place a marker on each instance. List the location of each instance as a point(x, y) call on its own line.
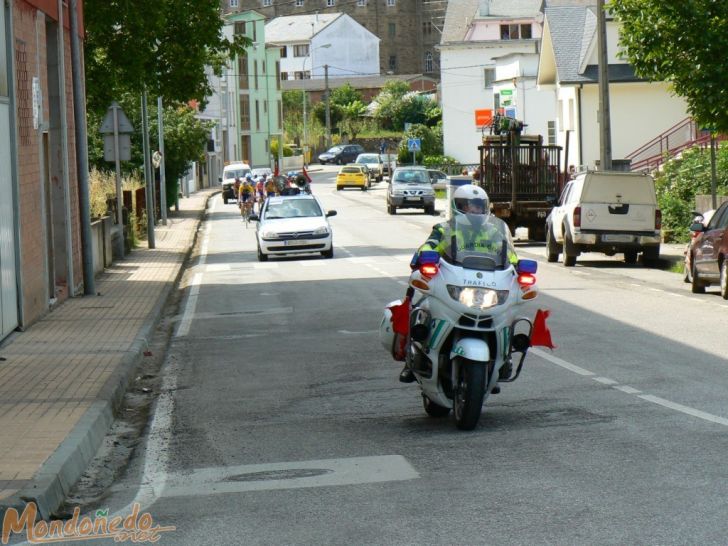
point(246, 211)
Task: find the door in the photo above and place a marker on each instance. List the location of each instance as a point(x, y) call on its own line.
point(706, 253)
point(8, 280)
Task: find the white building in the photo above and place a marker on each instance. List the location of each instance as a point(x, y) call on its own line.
point(488, 57)
point(309, 42)
point(568, 67)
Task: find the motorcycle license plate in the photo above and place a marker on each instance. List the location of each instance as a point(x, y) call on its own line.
point(295, 242)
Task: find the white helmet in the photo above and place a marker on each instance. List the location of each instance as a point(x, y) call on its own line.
point(470, 205)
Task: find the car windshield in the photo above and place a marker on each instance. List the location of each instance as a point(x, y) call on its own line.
point(238, 173)
point(368, 159)
point(485, 247)
point(351, 170)
point(410, 177)
point(292, 208)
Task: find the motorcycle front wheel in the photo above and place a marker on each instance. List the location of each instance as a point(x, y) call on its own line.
point(469, 393)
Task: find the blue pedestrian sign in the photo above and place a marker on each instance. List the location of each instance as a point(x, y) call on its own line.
point(414, 144)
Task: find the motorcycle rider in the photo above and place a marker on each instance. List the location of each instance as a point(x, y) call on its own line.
point(470, 209)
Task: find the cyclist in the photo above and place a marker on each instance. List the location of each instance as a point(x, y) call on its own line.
point(246, 196)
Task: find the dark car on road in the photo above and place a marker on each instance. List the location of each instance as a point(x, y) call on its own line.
point(342, 154)
point(707, 256)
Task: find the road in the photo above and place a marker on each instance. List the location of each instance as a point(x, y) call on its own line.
point(282, 422)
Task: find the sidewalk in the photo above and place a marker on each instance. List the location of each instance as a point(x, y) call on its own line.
point(60, 379)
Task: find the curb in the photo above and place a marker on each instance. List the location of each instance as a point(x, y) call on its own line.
point(57, 475)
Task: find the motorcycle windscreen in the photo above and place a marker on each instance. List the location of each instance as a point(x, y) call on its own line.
point(478, 242)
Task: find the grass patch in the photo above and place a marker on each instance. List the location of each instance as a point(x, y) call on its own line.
point(441, 194)
point(677, 267)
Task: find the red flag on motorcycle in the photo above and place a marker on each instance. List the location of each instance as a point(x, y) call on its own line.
point(400, 317)
point(276, 172)
point(306, 174)
point(541, 335)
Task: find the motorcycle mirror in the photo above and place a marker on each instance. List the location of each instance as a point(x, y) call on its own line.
point(520, 343)
point(527, 266)
point(429, 257)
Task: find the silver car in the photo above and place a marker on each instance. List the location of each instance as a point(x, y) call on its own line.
point(410, 188)
point(294, 224)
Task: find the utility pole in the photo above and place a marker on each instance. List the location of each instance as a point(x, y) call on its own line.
point(605, 130)
point(162, 174)
point(148, 174)
point(328, 109)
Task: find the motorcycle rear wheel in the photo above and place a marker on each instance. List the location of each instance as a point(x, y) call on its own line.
point(432, 409)
point(469, 393)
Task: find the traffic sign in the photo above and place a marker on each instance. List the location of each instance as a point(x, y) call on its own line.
point(414, 144)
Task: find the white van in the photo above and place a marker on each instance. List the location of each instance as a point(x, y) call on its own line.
point(610, 212)
point(229, 173)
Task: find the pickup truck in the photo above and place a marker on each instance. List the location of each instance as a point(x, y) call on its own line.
point(609, 212)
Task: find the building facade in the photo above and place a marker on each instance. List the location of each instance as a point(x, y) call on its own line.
point(409, 30)
point(40, 243)
point(254, 92)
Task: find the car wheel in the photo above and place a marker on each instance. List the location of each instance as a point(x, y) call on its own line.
point(338, 188)
point(338, 161)
point(724, 279)
point(552, 249)
point(697, 286)
point(687, 272)
point(391, 209)
point(630, 257)
point(328, 253)
point(430, 210)
point(262, 257)
point(364, 188)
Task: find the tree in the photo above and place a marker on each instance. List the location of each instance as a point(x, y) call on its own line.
point(430, 143)
point(353, 120)
point(164, 45)
point(683, 43)
point(397, 105)
point(345, 95)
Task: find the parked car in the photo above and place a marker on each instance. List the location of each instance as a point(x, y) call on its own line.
point(262, 171)
point(437, 177)
point(295, 224)
point(229, 174)
point(703, 218)
point(389, 163)
point(354, 175)
point(344, 153)
point(375, 165)
point(708, 253)
point(610, 212)
point(410, 187)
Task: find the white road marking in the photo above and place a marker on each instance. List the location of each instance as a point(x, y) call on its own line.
point(559, 362)
point(291, 475)
point(190, 306)
point(350, 333)
point(627, 389)
point(605, 380)
point(211, 268)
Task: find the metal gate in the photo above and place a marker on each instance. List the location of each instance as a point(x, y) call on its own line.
point(8, 286)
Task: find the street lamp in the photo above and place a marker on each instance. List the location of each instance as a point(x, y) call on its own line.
point(303, 88)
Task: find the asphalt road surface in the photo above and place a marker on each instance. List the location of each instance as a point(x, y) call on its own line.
point(282, 422)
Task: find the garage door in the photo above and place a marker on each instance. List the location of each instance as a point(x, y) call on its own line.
point(8, 287)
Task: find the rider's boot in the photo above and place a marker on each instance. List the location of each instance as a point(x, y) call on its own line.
point(406, 375)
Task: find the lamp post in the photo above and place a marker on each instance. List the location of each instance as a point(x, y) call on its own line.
point(303, 74)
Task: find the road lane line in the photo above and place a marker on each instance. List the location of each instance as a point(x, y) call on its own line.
point(685, 409)
point(605, 380)
point(559, 362)
point(190, 306)
point(627, 389)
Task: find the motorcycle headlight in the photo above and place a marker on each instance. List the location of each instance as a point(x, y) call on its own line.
point(481, 298)
point(323, 230)
point(268, 234)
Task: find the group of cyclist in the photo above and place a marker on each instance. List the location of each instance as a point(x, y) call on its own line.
point(253, 190)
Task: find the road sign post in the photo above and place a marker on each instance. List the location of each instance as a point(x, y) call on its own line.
point(414, 145)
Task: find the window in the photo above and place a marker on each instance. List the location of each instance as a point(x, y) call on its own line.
point(267, 3)
point(515, 32)
point(263, 66)
point(255, 74)
point(243, 71)
point(361, 3)
point(392, 30)
point(284, 51)
point(239, 27)
point(428, 62)
point(330, 3)
point(257, 115)
point(488, 77)
point(280, 114)
point(496, 102)
point(299, 3)
point(392, 62)
point(427, 28)
point(254, 30)
point(551, 132)
point(391, 2)
point(300, 50)
point(244, 114)
point(233, 3)
point(278, 74)
point(284, 76)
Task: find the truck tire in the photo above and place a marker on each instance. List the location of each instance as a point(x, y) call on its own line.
point(630, 257)
point(552, 248)
point(537, 232)
point(569, 250)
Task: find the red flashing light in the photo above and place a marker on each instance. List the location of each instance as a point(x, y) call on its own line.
point(577, 217)
point(526, 279)
point(658, 219)
point(429, 270)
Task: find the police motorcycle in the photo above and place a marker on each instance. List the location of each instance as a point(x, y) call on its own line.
point(466, 332)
